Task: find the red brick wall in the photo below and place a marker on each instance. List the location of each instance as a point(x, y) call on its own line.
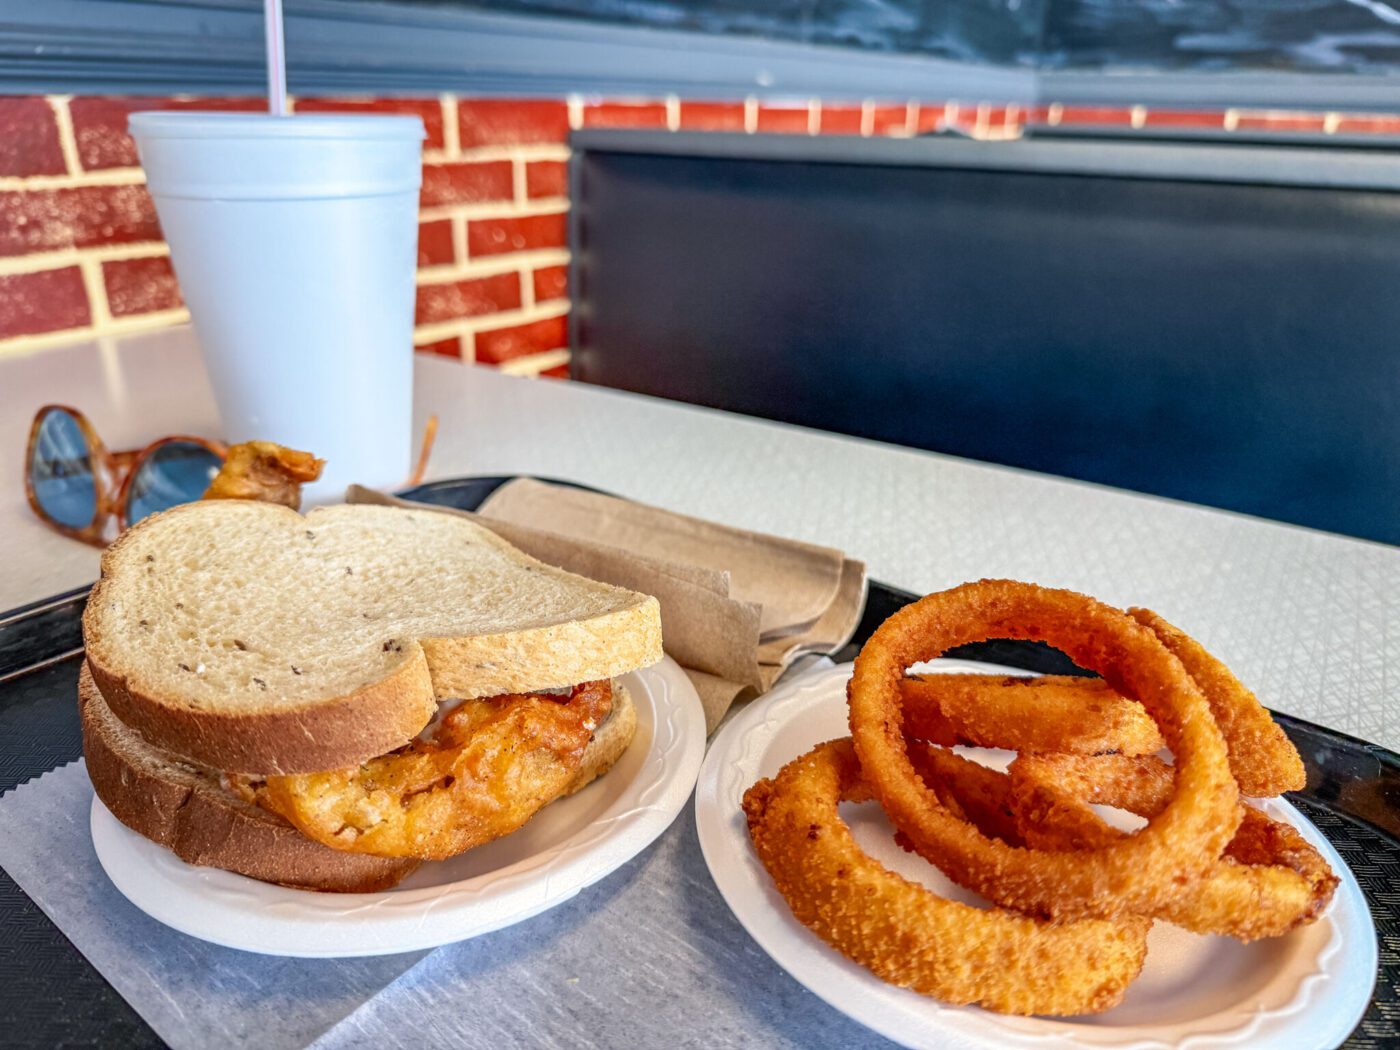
point(81, 254)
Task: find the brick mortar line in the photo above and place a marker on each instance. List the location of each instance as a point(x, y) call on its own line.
point(526, 151)
point(438, 331)
point(510, 209)
point(91, 271)
point(67, 140)
point(451, 141)
point(465, 346)
point(435, 330)
point(104, 177)
point(911, 119)
point(531, 365)
point(458, 225)
point(59, 258)
point(492, 265)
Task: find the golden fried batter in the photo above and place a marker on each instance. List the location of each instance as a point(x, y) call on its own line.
point(908, 935)
point(489, 767)
point(1050, 713)
point(1123, 877)
point(265, 471)
point(1262, 758)
point(1268, 881)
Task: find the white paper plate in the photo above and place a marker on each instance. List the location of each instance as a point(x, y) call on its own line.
point(568, 845)
point(1307, 989)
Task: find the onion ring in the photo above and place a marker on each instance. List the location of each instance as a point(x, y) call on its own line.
point(1129, 876)
point(1053, 713)
point(1263, 759)
point(1268, 881)
point(491, 765)
point(907, 935)
point(980, 795)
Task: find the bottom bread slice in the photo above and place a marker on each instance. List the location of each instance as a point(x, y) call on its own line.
point(185, 807)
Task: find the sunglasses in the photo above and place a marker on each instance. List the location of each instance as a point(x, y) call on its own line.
point(77, 486)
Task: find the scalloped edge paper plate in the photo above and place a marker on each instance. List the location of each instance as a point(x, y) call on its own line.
point(568, 845)
point(1308, 989)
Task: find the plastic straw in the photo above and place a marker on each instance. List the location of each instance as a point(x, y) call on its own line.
point(276, 58)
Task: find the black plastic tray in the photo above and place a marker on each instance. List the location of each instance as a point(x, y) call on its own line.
point(50, 996)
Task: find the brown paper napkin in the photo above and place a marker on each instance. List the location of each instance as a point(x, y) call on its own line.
point(737, 607)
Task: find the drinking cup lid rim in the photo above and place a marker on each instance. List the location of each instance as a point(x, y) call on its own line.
point(217, 125)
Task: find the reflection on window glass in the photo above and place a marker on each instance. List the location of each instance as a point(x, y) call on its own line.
point(1358, 36)
point(981, 30)
point(1345, 35)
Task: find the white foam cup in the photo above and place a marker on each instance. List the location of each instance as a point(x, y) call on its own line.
point(294, 240)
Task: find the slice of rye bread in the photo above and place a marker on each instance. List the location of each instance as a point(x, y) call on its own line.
point(186, 809)
point(252, 639)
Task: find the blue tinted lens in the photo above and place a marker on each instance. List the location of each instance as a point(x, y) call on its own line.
point(61, 471)
point(177, 472)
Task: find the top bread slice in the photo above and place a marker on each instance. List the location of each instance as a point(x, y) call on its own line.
point(253, 639)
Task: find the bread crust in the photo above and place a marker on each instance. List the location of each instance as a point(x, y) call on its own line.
point(203, 824)
point(558, 656)
point(345, 731)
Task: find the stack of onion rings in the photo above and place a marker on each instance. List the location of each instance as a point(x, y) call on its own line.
point(1124, 877)
point(1074, 895)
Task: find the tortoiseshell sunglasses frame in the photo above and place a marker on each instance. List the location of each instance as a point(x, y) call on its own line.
point(111, 474)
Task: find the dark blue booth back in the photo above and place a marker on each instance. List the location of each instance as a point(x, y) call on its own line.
point(1236, 345)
